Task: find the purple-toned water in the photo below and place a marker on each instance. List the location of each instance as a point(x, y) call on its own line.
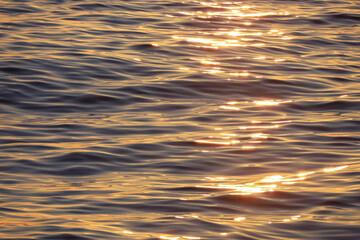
point(179, 120)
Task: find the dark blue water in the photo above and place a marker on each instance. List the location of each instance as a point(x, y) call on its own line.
point(179, 120)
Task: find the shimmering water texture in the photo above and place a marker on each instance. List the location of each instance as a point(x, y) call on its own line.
point(178, 120)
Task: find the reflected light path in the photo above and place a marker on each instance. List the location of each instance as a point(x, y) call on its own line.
point(266, 184)
point(228, 36)
point(258, 128)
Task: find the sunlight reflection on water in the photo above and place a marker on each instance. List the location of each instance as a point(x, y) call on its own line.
point(178, 120)
point(262, 185)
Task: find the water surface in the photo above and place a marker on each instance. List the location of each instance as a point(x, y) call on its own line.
point(179, 119)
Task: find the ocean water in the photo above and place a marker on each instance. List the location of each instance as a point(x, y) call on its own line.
point(178, 120)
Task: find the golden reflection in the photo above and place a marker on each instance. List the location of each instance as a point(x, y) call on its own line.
point(268, 183)
point(242, 189)
point(208, 62)
point(305, 174)
point(184, 68)
point(257, 44)
point(211, 42)
point(215, 178)
point(275, 32)
point(240, 74)
point(248, 140)
point(260, 136)
point(232, 102)
point(292, 218)
point(216, 5)
point(265, 126)
point(333, 169)
point(281, 121)
point(120, 186)
point(234, 14)
point(229, 36)
point(239, 219)
point(229, 108)
point(213, 71)
point(279, 60)
point(256, 132)
point(260, 58)
point(270, 102)
point(234, 32)
point(258, 103)
point(169, 237)
point(232, 11)
point(248, 147)
point(187, 13)
point(223, 141)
